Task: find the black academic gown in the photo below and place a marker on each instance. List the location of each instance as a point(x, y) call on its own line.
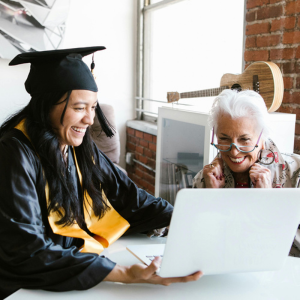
point(31, 255)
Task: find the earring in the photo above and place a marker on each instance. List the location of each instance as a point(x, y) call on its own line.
point(264, 159)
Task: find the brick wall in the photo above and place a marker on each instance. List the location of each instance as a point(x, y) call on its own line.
point(143, 145)
point(273, 34)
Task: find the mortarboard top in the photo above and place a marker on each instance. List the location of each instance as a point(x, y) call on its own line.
point(58, 70)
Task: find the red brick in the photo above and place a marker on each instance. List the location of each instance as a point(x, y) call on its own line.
point(152, 147)
point(292, 8)
point(142, 159)
point(297, 65)
point(288, 82)
point(267, 41)
point(144, 184)
point(297, 143)
point(287, 53)
point(149, 153)
point(145, 170)
point(251, 42)
point(130, 130)
point(135, 179)
point(283, 23)
point(269, 12)
point(292, 37)
point(290, 110)
point(154, 139)
point(132, 139)
point(256, 55)
point(251, 16)
point(130, 147)
point(139, 172)
point(148, 137)
point(139, 149)
point(151, 163)
point(151, 189)
point(288, 68)
point(255, 3)
point(297, 128)
point(289, 97)
point(298, 56)
point(150, 179)
point(258, 28)
point(139, 134)
point(298, 84)
point(298, 23)
point(144, 143)
point(274, 1)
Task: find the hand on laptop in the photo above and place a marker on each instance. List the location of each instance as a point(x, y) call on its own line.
point(260, 176)
point(213, 174)
point(140, 273)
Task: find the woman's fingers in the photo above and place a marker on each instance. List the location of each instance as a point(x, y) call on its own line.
point(152, 268)
point(260, 176)
point(148, 274)
point(213, 174)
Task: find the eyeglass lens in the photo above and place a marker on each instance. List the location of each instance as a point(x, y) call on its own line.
point(239, 148)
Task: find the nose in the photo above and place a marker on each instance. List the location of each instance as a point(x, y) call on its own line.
point(89, 117)
point(234, 151)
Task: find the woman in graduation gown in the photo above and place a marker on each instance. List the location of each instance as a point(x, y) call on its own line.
point(62, 200)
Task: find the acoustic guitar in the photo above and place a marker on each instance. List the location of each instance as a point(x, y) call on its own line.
point(264, 77)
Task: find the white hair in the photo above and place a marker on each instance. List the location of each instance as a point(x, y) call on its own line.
point(244, 104)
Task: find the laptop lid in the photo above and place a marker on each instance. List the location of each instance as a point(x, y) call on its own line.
point(230, 230)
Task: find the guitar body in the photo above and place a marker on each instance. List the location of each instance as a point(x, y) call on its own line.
point(264, 77)
point(269, 78)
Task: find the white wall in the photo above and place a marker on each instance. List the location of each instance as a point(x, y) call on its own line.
point(111, 24)
point(13, 95)
point(91, 23)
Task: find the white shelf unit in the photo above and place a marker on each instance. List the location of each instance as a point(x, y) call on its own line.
point(183, 148)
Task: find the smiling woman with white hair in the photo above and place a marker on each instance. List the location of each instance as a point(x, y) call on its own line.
point(247, 157)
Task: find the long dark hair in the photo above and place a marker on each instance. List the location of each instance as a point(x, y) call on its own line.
point(62, 195)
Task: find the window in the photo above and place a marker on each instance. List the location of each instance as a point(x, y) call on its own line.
point(187, 46)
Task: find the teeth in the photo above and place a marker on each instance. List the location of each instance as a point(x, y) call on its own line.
point(237, 160)
point(83, 130)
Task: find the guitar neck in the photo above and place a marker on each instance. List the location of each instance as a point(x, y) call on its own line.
point(204, 93)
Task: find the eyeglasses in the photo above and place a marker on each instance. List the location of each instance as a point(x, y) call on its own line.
point(226, 148)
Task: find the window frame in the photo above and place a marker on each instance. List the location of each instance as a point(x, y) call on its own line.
point(144, 7)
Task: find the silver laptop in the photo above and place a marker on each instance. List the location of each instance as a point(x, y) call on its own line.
point(222, 231)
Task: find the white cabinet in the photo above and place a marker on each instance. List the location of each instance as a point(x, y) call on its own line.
point(183, 148)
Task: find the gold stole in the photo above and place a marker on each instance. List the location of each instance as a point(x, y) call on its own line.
point(107, 229)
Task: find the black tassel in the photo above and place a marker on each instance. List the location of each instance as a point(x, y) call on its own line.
point(108, 129)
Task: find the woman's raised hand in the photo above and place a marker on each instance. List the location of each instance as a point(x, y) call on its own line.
point(214, 174)
point(139, 273)
point(260, 176)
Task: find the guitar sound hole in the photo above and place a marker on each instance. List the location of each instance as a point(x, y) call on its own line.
point(237, 87)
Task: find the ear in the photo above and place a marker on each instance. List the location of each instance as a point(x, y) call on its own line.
point(263, 145)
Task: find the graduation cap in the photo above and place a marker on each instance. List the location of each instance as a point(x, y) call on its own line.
point(61, 70)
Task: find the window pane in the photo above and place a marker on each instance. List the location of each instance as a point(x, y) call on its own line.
point(189, 46)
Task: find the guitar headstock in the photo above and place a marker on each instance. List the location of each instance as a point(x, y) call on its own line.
point(173, 96)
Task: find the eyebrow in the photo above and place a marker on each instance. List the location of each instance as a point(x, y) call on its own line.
point(243, 135)
point(83, 102)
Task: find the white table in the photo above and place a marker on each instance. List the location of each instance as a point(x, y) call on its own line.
point(283, 284)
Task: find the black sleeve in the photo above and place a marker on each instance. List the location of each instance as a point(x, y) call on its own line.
point(28, 257)
point(143, 211)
